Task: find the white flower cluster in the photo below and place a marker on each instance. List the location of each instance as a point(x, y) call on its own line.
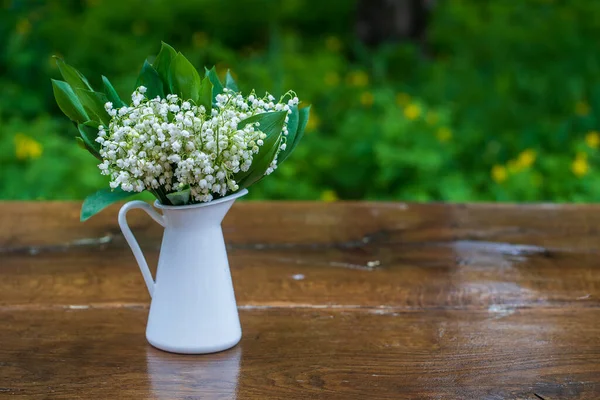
point(164, 145)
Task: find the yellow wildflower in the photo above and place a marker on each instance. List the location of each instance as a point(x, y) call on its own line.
point(27, 147)
point(23, 27)
point(199, 39)
point(313, 122)
point(580, 165)
point(412, 111)
point(367, 99)
point(333, 44)
point(499, 173)
point(332, 79)
point(329, 196)
point(358, 79)
point(444, 134)
point(431, 118)
point(582, 108)
point(402, 99)
point(526, 158)
point(592, 139)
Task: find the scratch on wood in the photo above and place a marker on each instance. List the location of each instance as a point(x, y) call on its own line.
point(35, 250)
point(92, 241)
point(350, 244)
point(371, 265)
point(500, 311)
point(508, 249)
point(387, 310)
point(91, 306)
point(295, 305)
point(538, 396)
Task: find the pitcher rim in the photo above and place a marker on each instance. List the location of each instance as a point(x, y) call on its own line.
point(233, 196)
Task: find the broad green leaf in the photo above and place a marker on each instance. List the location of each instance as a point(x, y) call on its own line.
point(180, 198)
point(162, 63)
point(230, 82)
point(98, 201)
point(74, 78)
point(184, 79)
point(304, 114)
point(205, 97)
point(93, 103)
point(68, 102)
point(216, 82)
point(149, 78)
point(259, 166)
point(292, 126)
point(89, 133)
point(271, 123)
point(111, 93)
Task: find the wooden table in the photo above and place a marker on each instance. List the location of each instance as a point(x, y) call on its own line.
point(338, 300)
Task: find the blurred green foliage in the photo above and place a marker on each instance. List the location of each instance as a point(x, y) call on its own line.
point(502, 103)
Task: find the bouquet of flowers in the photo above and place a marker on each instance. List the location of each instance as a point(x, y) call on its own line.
point(183, 138)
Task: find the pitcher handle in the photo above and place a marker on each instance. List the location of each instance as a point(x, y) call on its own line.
point(135, 247)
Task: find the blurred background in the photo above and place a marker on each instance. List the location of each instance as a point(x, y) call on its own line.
point(418, 100)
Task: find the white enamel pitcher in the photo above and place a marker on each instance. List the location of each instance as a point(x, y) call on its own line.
point(193, 308)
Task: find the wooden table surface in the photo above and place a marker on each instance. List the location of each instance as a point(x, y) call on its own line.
point(337, 300)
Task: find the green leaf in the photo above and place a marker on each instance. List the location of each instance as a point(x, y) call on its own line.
point(149, 78)
point(184, 79)
point(292, 126)
point(93, 103)
point(304, 114)
point(260, 164)
point(216, 82)
point(205, 98)
point(68, 102)
point(98, 201)
point(230, 82)
point(74, 78)
point(271, 123)
point(89, 133)
point(111, 93)
point(162, 64)
point(180, 198)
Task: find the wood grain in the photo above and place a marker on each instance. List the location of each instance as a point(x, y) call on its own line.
point(344, 300)
point(288, 353)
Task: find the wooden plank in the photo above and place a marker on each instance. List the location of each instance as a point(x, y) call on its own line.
point(399, 256)
point(345, 224)
point(419, 278)
point(309, 353)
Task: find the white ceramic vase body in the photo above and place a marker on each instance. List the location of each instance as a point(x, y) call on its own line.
point(193, 308)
